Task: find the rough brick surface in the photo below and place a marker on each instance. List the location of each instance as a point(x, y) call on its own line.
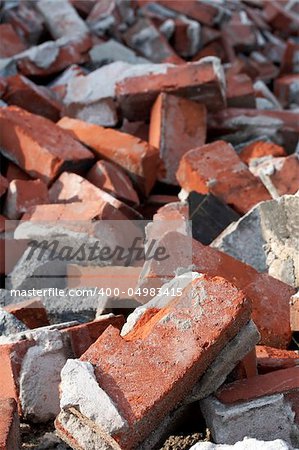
point(138, 158)
point(216, 168)
point(22, 195)
point(176, 126)
point(9, 425)
point(21, 132)
point(10, 42)
point(31, 312)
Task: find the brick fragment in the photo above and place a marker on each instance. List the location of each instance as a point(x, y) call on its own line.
point(146, 39)
point(286, 89)
point(22, 194)
point(53, 56)
point(70, 188)
point(258, 149)
point(9, 425)
point(270, 297)
point(176, 126)
point(10, 42)
point(21, 132)
point(136, 157)
point(270, 358)
point(187, 37)
point(31, 312)
point(62, 21)
point(289, 63)
point(3, 185)
point(216, 168)
point(281, 18)
point(208, 14)
point(201, 81)
point(36, 99)
point(113, 179)
point(239, 91)
point(26, 21)
point(31, 357)
point(173, 325)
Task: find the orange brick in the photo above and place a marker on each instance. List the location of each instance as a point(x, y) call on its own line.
point(216, 168)
point(22, 194)
point(270, 358)
point(258, 149)
point(37, 145)
point(176, 126)
point(9, 425)
point(136, 157)
point(31, 312)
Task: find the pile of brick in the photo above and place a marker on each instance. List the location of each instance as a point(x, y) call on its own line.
point(184, 114)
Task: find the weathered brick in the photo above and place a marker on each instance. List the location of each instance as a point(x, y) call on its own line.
point(176, 126)
point(178, 323)
point(286, 89)
point(201, 81)
point(10, 42)
point(270, 358)
point(36, 99)
point(112, 179)
point(258, 149)
point(136, 157)
point(9, 425)
point(70, 188)
point(22, 194)
point(216, 168)
point(31, 312)
point(54, 149)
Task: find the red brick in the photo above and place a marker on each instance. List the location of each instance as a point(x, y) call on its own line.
point(3, 85)
point(247, 367)
point(136, 157)
point(10, 41)
point(65, 53)
point(11, 357)
point(84, 335)
point(31, 312)
point(201, 81)
point(26, 21)
point(270, 297)
point(239, 91)
point(187, 38)
point(281, 18)
point(37, 145)
point(216, 168)
point(22, 194)
point(155, 47)
point(214, 48)
point(290, 58)
point(70, 188)
point(258, 149)
point(176, 126)
point(270, 358)
point(113, 179)
point(138, 129)
point(286, 175)
point(13, 172)
point(35, 99)
point(9, 425)
point(205, 13)
point(286, 89)
point(281, 381)
point(3, 185)
point(226, 311)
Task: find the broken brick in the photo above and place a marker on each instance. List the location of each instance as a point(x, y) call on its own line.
point(136, 157)
point(26, 21)
point(216, 168)
point(113, 179)
point(258, 149)
point(70, 188)
point(286, 89)
point(35, 99)
point(10, 42)
point(289, 63)
point(177, 125)
point(21, 132)
point(270, 358)
point(10, 438)
point(239, 91)
point(3, 185)
point(201, 81)
point(22, 194)
point(13, 172)
point(148, 403)
point(31, 312)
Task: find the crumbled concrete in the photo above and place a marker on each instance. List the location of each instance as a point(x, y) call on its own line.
point(246, 444)
point(159, 301)
point(112, 51)
point(40, 376)
point(269, 416)
point(267, 238)
point(9, 324)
